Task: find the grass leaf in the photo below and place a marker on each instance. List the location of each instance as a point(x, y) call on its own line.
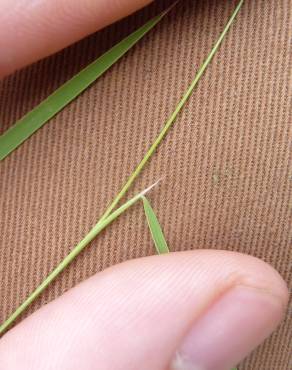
point(48, 108)
point(155, 228)
point(174, 115)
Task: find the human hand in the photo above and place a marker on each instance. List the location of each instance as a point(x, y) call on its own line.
point(195, 310)
point(199, 310)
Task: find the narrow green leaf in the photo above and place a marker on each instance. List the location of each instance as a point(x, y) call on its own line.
point(155, 228)
point(48, 108)
point(169, 123)
point(70, 257)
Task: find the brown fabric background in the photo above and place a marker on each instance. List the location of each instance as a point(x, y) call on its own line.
point(227, 163)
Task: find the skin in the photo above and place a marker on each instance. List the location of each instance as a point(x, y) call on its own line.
point(197, 310)
point(38, 28)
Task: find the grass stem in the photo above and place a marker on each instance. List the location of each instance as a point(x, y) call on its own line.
point(173, 116)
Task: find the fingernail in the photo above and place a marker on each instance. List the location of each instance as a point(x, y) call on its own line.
point(229, 330)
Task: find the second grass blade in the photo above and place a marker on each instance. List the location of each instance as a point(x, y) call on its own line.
point(155, 228)
point(48, 108)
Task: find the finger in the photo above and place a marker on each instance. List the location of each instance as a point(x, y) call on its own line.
point(197, 310)
point(33, 29)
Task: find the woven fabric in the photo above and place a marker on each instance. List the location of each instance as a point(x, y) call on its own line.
point(226, 164)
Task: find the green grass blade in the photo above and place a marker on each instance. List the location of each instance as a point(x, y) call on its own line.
point(70, 257)
point(155, 228)
point(48, 108)
point(174, 115)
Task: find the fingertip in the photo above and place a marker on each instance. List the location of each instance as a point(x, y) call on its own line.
point(231, 268)
point(237, 321)
point(31, 30)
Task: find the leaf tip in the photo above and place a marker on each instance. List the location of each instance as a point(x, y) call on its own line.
point(145, 191)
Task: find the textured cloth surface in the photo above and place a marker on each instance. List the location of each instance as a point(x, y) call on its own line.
point(227, 162)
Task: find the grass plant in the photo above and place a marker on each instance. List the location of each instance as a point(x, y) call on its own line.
point(57, 101)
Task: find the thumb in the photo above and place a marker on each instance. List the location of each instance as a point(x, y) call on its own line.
point(185, 311)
